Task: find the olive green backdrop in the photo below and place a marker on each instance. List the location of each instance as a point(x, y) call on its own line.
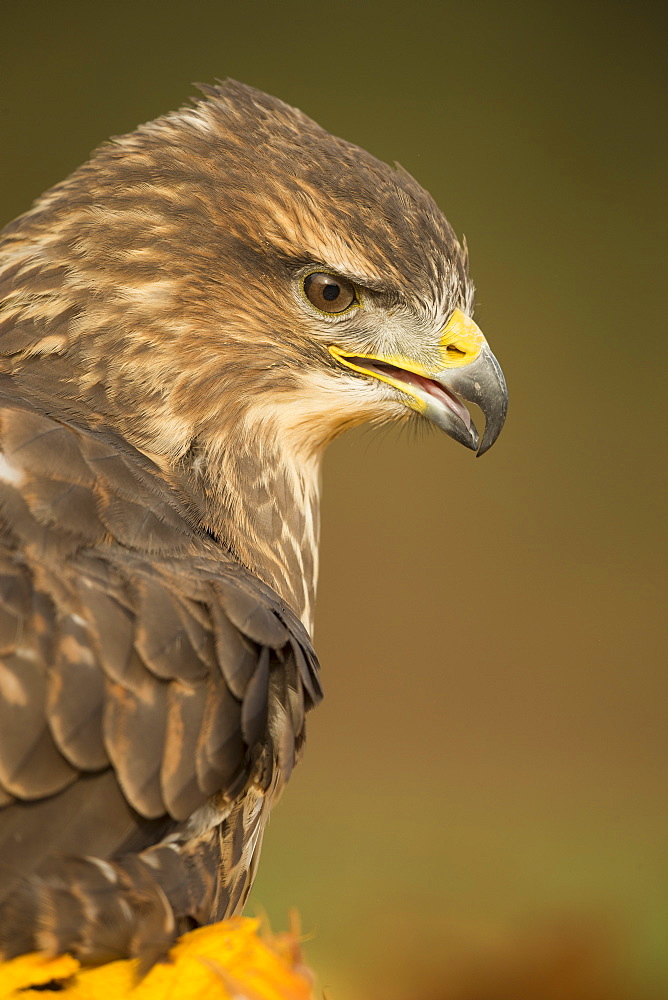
point(491, 752)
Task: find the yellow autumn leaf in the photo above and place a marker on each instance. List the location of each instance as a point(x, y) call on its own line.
point(225, 961)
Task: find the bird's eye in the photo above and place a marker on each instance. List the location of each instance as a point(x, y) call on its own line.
point(328, 292)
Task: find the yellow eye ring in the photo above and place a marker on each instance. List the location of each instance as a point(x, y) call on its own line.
point(329, 293)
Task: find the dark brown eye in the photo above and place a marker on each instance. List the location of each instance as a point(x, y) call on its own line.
point(329, 293)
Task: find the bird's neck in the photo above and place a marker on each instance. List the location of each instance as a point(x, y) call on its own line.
point(237, 429)
point(263, 503)
point(255, 487)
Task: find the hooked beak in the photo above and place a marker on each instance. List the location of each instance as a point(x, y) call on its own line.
point(467, 369)
point(482, 383)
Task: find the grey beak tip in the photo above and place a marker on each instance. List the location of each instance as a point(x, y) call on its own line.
point(482, 383)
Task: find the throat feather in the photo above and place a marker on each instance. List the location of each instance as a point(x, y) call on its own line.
point(264, 507)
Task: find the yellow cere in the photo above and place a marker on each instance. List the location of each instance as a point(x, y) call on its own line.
point(461, 342)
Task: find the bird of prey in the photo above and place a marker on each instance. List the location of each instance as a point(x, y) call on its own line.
point(185, 323)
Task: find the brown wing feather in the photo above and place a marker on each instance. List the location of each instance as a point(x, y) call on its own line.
point(76, 697)
point(144, 677)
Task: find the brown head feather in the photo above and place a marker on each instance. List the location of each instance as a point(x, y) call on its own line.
point(154, 290)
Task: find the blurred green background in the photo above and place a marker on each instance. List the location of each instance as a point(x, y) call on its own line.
point(491, 754)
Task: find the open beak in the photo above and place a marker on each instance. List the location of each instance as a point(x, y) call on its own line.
point(467, 369)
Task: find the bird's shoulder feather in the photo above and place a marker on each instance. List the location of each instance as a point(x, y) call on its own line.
point(140, 666)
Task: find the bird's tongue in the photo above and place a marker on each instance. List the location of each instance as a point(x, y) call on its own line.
point(428, 385)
